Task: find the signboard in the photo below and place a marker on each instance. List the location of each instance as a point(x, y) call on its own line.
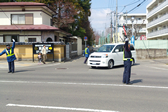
point(85, 38)
point(133, 40)
point(37, 47)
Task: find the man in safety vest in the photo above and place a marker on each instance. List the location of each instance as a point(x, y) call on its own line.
point(10, 56)
point(127, 57)
point(86, 53)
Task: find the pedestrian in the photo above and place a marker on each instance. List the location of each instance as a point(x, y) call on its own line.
point(44, 54)
point(10, 56)
point(39, 57)
point(127, 57)
point(86, 53)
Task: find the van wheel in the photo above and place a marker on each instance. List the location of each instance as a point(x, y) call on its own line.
point(110, 64)
point(133, 62)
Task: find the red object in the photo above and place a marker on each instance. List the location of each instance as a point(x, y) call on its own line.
point(124, 30)
point(143, 37)
point(21, 4)
point(26, 27)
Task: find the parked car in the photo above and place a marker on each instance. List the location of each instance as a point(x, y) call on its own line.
point(109, 55)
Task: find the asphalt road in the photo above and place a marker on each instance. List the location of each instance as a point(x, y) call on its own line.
point(74, 87)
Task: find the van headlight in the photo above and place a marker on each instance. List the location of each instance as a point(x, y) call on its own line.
point(105, 56)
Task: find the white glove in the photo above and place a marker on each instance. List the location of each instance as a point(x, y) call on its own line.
point(13, 40)
point(126, 39)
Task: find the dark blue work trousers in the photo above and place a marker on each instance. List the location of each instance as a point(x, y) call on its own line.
point(86, 60)
point(11, 66)
point(127, 71)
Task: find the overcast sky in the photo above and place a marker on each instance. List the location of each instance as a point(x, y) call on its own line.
point(100, 9)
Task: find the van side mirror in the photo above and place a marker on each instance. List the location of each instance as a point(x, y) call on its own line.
point(117, 50)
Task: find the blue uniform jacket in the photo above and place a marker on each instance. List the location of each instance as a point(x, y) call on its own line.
point(10, 58)
point(87, 55)
point(127, 51)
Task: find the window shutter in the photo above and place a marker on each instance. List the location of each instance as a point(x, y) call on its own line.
point(29, 19)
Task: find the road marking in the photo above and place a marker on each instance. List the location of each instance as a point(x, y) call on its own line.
point(86, 84)
point(59, 108)
point(159, 68)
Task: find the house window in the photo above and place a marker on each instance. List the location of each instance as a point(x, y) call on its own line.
point(22, 19)
point(8, 38)
point(55, 38)
point(31, 39)
point(51, 22)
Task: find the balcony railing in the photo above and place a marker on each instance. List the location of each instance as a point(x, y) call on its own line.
point(135, 21)
point(143, 30)
point(157, 33)
point(157, 20)
point(157, 8)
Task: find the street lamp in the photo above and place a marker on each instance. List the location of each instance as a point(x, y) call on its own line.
point(132, 19)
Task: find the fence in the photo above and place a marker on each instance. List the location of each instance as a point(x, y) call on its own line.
point(151, 44)
point(156, 47)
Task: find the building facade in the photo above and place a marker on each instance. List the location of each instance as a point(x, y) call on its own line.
point(157, 17)
point(28, 22)
point(139, 26)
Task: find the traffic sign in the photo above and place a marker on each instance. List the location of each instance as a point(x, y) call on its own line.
point(85, 38)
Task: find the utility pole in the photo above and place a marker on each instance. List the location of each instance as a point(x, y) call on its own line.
point(111, 36)
point(116, 21)
point(126, 21)
point(111, 26)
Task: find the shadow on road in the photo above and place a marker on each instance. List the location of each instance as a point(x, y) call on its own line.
point(22, 71)
point(115, 67)
point(137, 81)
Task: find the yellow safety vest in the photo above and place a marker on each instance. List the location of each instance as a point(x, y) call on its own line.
point(86, 51)
point(125, 59)
point(9, 54)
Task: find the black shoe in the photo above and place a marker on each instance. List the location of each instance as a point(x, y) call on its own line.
point(130, 83)
point(12, 72)
point(9, 72)
point(123, 82)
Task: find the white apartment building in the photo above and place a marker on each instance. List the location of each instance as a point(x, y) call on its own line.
point(157, 17)
point(139, 24)
point(28, 22)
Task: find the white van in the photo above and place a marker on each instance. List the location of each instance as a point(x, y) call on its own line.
point(109, 55)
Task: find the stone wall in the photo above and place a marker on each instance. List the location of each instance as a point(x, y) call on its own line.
point(151, 53)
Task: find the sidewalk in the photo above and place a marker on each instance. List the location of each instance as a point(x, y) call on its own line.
point(18, 64)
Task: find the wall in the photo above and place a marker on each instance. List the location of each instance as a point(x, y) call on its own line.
point(46, 19)
point(151, 53)
point(79, 46)
point(46, 35)
point(37, 14)
point(24, 52)
point(23, 35)
point(4, 20)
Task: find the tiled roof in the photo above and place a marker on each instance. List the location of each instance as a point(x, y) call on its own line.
point(21, 4)
point(27, 27)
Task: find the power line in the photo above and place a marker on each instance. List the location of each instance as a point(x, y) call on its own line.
point(136, 7)
point(129, 5)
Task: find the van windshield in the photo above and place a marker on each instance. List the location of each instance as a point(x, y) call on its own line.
point(106, 48)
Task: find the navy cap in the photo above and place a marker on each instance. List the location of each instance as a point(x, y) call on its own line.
point(7, 45)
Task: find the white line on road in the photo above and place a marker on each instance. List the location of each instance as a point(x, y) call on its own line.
point(86, 84)
point(59, 108)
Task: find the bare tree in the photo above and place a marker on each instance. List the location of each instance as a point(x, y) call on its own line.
point(65, 12)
